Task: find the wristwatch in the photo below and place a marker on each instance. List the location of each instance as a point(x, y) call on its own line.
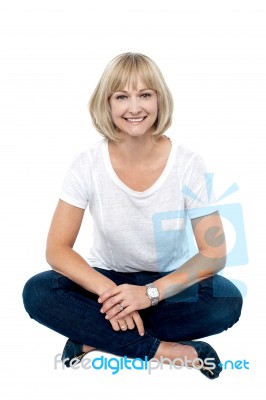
point(153, 293)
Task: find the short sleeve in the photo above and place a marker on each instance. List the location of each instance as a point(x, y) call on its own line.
point(76, 184)
point(198, 190)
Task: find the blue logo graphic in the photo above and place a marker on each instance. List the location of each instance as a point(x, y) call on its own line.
point(175, 227)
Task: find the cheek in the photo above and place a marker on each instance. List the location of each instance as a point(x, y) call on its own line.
point(155, 112)
point(154, 107)
point(113, 114)
point(117, 111)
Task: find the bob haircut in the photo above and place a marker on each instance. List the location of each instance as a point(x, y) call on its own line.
point(125, 69)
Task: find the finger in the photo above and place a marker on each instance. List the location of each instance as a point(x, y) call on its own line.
point(130, 322)
point(116, 312)
point(111, 303)
point(108, 293)
point(126, 311)
point(123, 325)
point(139, 323)
point(115, 325)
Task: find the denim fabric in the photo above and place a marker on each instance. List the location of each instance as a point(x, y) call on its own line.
point(63, 306)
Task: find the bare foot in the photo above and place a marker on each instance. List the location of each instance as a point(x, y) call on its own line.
point(170, 351)
point(86, 348)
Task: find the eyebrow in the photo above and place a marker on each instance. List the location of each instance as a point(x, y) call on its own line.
point(124, 91)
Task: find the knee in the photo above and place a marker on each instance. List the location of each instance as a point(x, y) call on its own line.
point(229, 299)
point(237, 303)
point(234, 305)
point(236, 300)
point(35, 291)
point(29, 294)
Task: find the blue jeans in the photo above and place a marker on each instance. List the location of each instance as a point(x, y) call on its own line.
point(206, 308)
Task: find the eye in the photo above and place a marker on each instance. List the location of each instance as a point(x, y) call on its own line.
point(145, 95)
point(121, 97)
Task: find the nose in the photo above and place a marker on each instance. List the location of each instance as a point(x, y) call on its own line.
point(134, 106)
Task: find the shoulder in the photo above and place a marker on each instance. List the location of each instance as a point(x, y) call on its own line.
point(186, 157)
point(86, 156)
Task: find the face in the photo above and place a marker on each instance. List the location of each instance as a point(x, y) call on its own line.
point(134, 112)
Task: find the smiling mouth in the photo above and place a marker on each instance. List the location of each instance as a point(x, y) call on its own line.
point(135, 120)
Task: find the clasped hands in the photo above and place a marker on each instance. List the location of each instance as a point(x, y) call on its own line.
point(121, 304)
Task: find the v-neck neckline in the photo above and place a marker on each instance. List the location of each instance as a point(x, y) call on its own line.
point(161, 179)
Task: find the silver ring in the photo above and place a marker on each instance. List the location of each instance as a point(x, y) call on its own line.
point(121, 306)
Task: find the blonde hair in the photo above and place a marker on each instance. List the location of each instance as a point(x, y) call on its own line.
point(122, 70)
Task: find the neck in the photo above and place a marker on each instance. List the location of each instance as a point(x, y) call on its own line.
point(135, 149)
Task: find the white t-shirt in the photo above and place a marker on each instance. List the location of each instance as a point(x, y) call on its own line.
point(139, 231)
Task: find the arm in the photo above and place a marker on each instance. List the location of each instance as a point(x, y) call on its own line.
point(62, 258)
point(209, 235)
point(210, 259)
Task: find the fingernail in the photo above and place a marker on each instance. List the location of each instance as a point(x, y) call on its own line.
point(106, 317)
point(101, 310)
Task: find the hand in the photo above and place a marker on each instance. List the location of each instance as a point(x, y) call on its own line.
point(129, 322)
point(122, 300)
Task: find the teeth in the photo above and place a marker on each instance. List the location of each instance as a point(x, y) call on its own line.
point(135, 119)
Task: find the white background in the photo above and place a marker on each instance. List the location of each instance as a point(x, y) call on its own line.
point(212, 54)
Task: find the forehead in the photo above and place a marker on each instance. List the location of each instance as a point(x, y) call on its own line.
point(133, 80)
point(129, 86)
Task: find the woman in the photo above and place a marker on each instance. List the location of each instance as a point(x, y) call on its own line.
point(140, 293)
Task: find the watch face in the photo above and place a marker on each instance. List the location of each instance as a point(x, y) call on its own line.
point(153, 292)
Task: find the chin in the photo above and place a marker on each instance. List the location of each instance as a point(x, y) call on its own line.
point(137, 134)
point(139, 131)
